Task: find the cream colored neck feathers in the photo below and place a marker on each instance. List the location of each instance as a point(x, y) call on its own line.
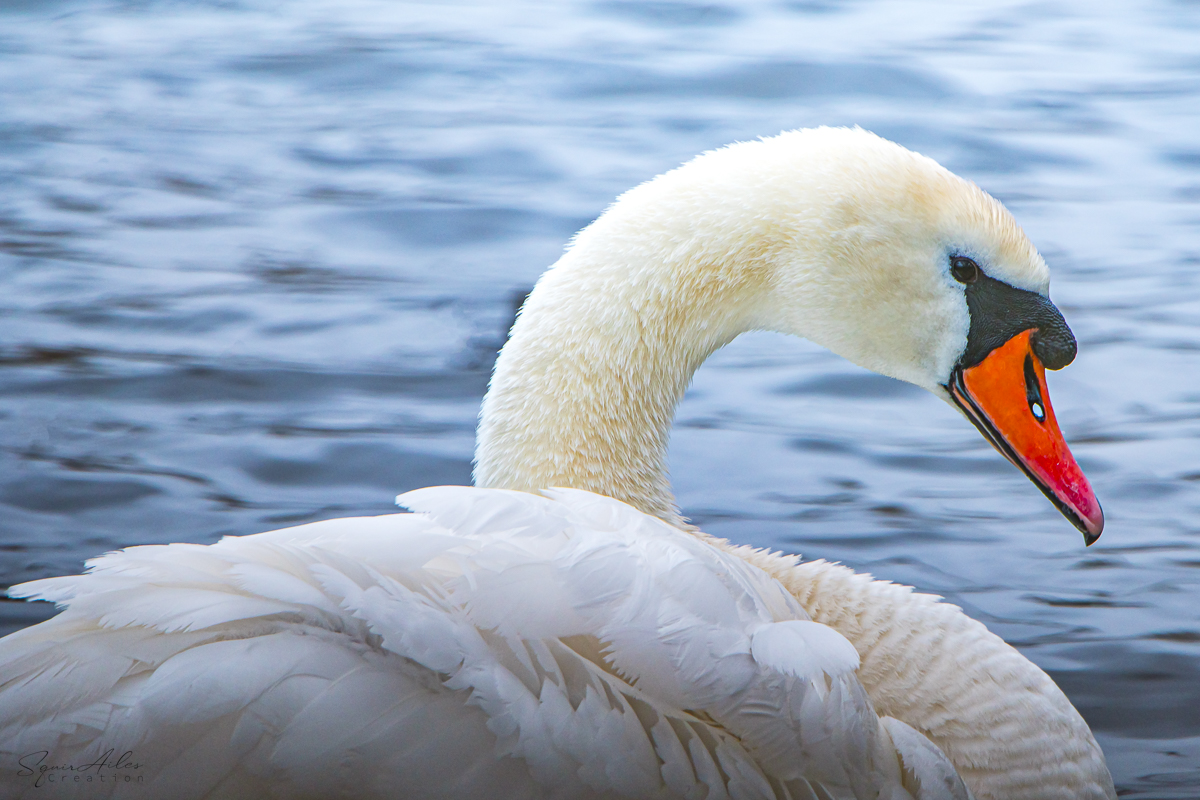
point(585, 389)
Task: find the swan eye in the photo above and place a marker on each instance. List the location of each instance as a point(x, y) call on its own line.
point(964, 269)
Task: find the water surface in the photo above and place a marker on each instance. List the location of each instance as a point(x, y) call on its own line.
point(257, 257)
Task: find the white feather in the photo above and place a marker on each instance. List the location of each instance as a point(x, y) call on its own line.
point(312, 664)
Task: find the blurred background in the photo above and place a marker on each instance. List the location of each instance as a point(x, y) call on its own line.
point(256, 259)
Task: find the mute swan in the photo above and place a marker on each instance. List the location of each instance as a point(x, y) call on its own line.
point(584, 642)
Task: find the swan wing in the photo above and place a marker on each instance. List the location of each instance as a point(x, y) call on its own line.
point(494, 643)
point(227, 671)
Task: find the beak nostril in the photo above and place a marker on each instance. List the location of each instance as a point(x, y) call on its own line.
point(1033, 391)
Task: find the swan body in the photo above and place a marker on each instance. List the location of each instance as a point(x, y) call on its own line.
point(586, 642)
point(390, 637)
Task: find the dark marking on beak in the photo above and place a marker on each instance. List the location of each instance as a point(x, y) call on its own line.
point(999, 312)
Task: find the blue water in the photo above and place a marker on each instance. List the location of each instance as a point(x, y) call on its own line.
point(256, 259)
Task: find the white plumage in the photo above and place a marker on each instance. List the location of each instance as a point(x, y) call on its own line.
point(563, 644)
point(404, 655)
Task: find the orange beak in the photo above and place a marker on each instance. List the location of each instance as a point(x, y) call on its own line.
point(1005, 396)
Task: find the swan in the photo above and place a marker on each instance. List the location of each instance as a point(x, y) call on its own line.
point(559, 630)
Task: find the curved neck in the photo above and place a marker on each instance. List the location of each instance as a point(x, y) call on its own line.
point(585, 390)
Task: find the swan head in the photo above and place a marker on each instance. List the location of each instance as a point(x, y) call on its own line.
point(936, 284)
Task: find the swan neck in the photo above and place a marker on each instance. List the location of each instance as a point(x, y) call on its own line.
point(794, 234)
point(585, 390)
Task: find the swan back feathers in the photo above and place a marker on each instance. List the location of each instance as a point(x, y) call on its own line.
point(569, 630)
